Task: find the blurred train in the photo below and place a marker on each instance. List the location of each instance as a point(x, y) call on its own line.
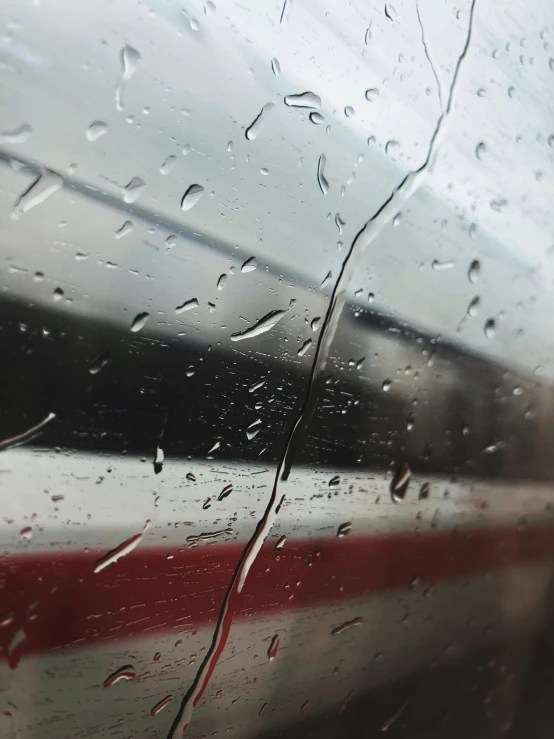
point(268, 469)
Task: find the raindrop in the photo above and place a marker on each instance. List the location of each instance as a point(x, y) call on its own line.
point(209, 7)
point(316, 118)
point(437, 266)
point(490, 328)
point(349, 111)
point(133, 189)
point(58, 294)
point(281, 543)
point(264, 324)
point(321, 181)
point(45, 185)
point(326, 280)
point(250, 265)
point(126, 228)
point(390, 12)
point(339, 223)
point(275, 67)
point(473, 307)
point(480, 150)
point(123, 549)
point(99, 363)
point(367, 37)
point(227, 490)
point(424, 491)
point(358, 621)
point(191, 477)
point(214, 447)
point(315, 324)
point(474, 271)
point(253, 429)
point(372, 94)
point(191, 197)
point(397, 220)
point(123, 674)
point(139, 321)
point(96, 129)
point(161, 705)
point(159, 460)
point(171, 241)
point(168, 165)
point(303, 100)
point(472, 231)
point(187, 305)
point(222, 281)
point(400, 482)
point(259, 122)
point(392, 148)
point(334, 482)
point(344, 529)
point(17, 136)
point(256, 386)
point(304, 348)
point(273, 647)
point(129, 62)
point(26, 533)
point(551, 140)
point(386, 386)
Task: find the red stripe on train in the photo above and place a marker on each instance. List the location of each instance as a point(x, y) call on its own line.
point(59, 602)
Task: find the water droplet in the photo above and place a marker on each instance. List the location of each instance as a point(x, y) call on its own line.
point(390, 12)
point(400, 483)
point(315, 324)
point(264, 324)
point(191, 197)
point(321, 181)
point(133, 189)
point(263, 709)
point(424, 491)
point(326, 280)
point(161, 705)
point(490, 328)
point(139, 321)
point(253, 429)
point(392, 148)
point(222, 281)
point(397, 220)
point(99, 363)
point(339, 223)
point(187, 148)
point(344, 529)
point(303, 100)
point(191, 477)
point(281, 543)
point(273, 647)
point(386, 386)
point(473, 307)
point(123, 674)
point(474, 271)
point(58, 294)
point(123, 549)
point(18, 136)
point(316, 118)
point(130, 58)
point(96, 129)
point(438, 266)
point(358, 621)
point(159, 460)
point(250, 265)
point(349, 111)
point(259, 122)
point(256, 386)
point(42, 188)
point(214, 448)
point(227, 490)
point(304, 348)
point(304, 707)
point(168, 164)
point(334, 482)
point(480, 150)
point(187, 305)
point(126, 228)
point(26, 533)
point(275, 67)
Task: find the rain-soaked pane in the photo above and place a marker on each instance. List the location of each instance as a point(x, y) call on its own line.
point(277, 377)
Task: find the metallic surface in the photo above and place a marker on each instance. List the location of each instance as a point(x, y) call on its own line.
point(339, 305)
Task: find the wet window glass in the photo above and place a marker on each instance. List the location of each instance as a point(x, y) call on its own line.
point(277, 339)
